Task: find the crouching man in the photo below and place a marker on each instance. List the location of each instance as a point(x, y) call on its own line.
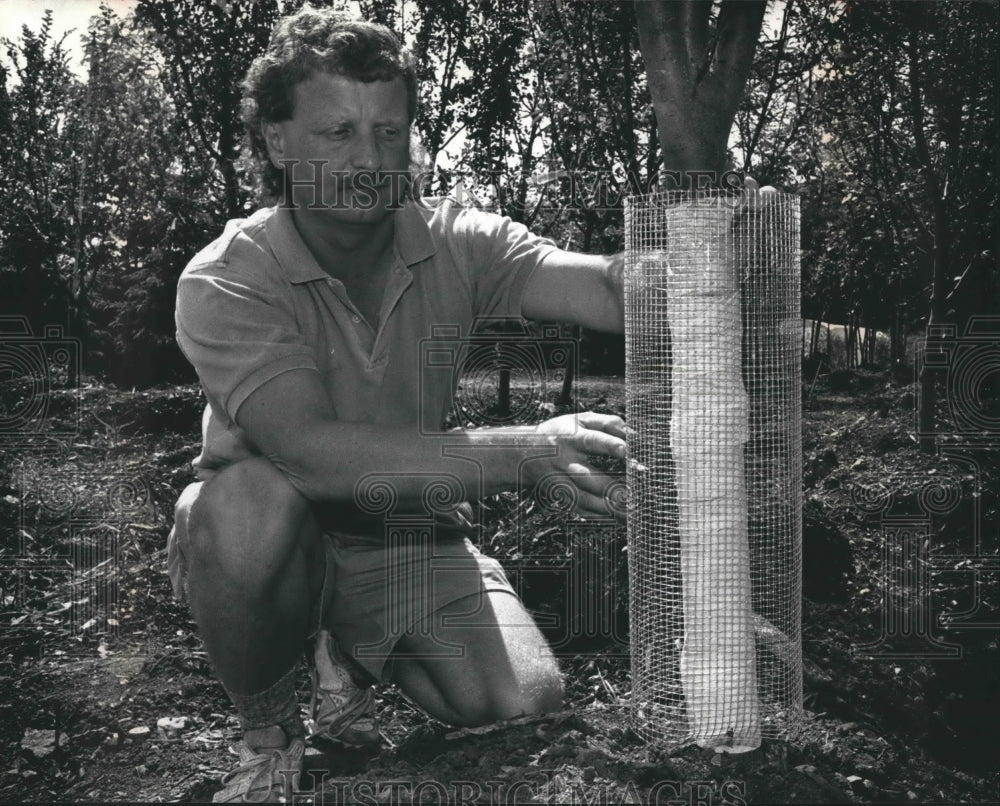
point(303, 322)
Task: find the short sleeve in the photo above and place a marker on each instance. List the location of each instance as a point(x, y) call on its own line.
point(238, 331)
point(503, 255)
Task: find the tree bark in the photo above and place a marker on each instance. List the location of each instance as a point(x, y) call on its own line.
point(696, 78)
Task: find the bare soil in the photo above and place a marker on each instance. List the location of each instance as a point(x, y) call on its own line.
point(107, 694)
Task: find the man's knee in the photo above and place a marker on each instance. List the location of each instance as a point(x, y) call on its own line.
point(542, 694)
point(505, 691)
point(248, 510)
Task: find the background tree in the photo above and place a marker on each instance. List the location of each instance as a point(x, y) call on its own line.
point(774, 136)
point(863, 112)
point(39, 193)
point(912, 149)
point(84, 217)
point(207, 47)
point(142, 202)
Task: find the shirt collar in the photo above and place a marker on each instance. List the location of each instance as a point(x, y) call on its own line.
point(413, 237)
point(413, 241)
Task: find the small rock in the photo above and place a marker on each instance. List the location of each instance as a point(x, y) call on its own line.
point(138, 733)
point(870, 772)
point(40, 742)
point(858, 784)
point(170, 727)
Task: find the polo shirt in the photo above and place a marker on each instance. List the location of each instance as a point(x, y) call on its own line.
point(255, 303)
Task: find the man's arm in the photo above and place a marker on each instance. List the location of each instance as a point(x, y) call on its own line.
point(291, 421)
point(585, 290)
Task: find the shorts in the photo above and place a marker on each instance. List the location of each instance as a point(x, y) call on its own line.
point(375, 590)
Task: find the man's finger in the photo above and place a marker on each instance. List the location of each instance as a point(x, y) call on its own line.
point(580, 488)
point(608, 423)
point(597, 506)
point(590, 480)
point(601, 443)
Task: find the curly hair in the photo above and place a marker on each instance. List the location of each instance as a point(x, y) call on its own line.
point(307, 42)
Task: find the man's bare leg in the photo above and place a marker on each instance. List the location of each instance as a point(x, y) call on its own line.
point(255, 571)
point(506, 668)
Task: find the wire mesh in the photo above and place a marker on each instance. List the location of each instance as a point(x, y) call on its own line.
point(713, 402)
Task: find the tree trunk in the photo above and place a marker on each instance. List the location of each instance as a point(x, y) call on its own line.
point(573, 357)
point(817, 329)
point(503, 385)
point(697, 74)
point(696, 78)
point(928, 380)
point(231, 188)
point(569, 370)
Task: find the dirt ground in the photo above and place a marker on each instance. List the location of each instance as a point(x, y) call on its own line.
point(107, 694)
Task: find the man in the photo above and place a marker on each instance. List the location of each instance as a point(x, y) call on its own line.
point(304, 322)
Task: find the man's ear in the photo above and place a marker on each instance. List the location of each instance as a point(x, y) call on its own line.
point(274, 137)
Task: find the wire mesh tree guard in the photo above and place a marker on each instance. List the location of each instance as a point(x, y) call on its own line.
point(713, 404)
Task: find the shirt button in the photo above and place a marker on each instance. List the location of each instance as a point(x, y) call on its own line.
point(355, 319)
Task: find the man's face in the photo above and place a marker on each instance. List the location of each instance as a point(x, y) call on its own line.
point(347, 146)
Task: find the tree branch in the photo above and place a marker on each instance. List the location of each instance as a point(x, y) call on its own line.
point(661, 35)
point(771, 85)
point(695, 110)
point(695, 16)
point(739, 28)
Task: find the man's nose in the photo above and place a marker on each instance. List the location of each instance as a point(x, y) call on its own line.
point(366, 155)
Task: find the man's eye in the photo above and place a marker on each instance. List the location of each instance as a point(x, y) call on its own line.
point(389, 132)
point(337, 134)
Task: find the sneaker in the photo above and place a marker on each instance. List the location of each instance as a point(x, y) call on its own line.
point(265, 774)
point(340, 710)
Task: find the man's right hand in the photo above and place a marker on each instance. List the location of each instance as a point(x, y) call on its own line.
point(291, 421)
point(575, 438)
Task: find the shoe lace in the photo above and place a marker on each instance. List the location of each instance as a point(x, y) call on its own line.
point(335, 710)
point(348, 708)
point(252, 767)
